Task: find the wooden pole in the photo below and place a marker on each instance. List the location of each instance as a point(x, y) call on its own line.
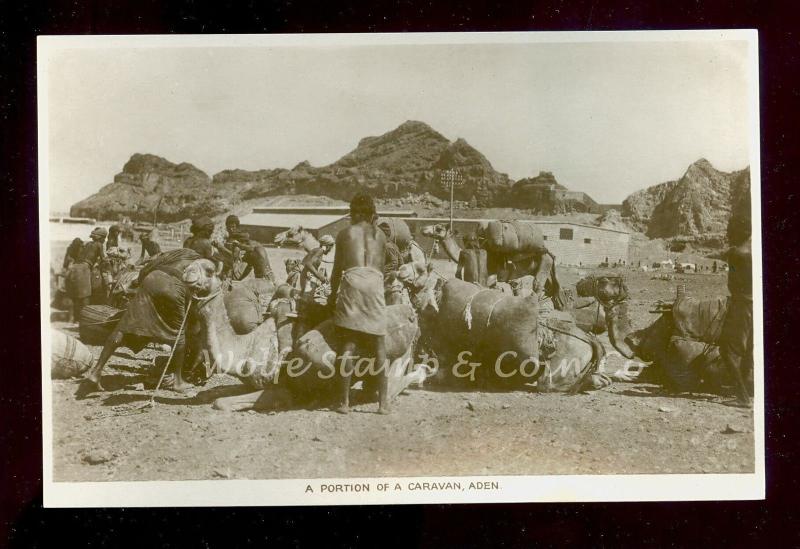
point(452, 180)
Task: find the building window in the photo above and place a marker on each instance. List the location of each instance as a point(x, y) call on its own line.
point(565, 234)
point(545, 237)
point(587, 240)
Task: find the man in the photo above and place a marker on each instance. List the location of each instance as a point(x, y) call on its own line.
point(736, 337)
point(357, 298)
point(392, 261)
point(202, 228)
point(232, 224)
point(79, 275)
point(293, 270)
point(255, 256)
point(312, 262)
point(150, 247)
point(113, 237)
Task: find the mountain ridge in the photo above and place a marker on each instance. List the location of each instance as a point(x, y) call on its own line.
point(408, 161)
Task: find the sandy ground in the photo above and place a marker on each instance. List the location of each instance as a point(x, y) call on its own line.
point(628, 428)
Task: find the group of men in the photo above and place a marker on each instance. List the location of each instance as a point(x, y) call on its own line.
point(364, 278)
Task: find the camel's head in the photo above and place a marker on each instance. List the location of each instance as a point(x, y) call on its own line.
point(612, 293)
point(293, 235)
point(608, 290)
point(200, 276)
point(439, 231)
point(423, 285)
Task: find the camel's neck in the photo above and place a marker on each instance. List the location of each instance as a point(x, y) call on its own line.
point(308, 242)
point(619, 328)
point(218, 334)
point(451, 248)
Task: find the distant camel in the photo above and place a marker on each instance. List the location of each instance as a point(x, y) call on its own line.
point(297, 236)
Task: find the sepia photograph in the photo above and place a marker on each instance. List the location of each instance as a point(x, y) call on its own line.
point(400, 268)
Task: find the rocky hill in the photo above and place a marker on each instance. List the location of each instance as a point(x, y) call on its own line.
point(405, 161)
point(696, 207)
point(146, 182)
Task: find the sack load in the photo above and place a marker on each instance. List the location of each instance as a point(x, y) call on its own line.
point(318, 350)
point(96, 323)
point(687, 361)
point(247, 304)
point(475, 266)
point(399, 231)
point(172, 262)
point(513, 237)
point(469, 312)
point(699, 319)
point(68, 356)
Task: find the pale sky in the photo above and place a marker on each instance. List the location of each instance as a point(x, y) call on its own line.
point(605, 118)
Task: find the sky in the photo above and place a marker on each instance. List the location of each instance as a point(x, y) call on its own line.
point(605, 118)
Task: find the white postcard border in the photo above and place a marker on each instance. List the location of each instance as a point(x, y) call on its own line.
point(544, 488)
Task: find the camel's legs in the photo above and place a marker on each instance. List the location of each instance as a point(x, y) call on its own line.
point(112, 343)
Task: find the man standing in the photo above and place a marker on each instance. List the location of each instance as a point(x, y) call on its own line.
point(312, 262)
point(736, 337)
point(79, 276)
point(357, 298)
point(150, 247)
point(113, 237)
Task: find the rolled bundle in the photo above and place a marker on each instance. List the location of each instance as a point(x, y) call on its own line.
point(512, 237)
point(68, 356)
point(96, 323)
point(172, 262)
point(399, 231)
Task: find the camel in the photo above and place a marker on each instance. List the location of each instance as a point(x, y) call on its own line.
point(499, 340)
point(252, 357)
point(587, 311)
point(297, 236)
point(681, 344)
point(314, 385)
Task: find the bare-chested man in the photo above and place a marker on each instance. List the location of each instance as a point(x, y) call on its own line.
point(357, 296)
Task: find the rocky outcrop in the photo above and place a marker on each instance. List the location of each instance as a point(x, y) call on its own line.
point(612, 219)
point(148, 182)
point(546, 196)
point(695, 207)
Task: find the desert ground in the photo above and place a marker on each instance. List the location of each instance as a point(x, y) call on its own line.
point(627, 428)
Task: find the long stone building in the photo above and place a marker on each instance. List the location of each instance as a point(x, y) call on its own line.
point(571, 243)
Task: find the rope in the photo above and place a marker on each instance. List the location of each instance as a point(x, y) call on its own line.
point(171, 354)
point(468, 308)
